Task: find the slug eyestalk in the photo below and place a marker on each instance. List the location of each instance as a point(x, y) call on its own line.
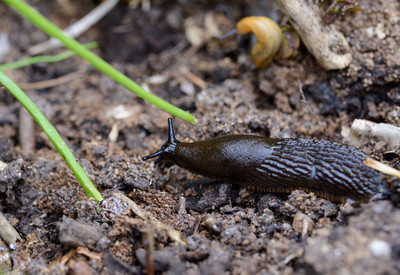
point(168, 149)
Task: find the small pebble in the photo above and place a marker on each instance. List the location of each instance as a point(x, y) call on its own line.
point(380, 248)
point(3, 165)
point(213, 225)
point(74, 234)
point(300, 220)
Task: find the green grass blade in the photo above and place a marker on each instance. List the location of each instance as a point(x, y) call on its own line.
point(45, 25)
point(54, 137)
point(43, 58)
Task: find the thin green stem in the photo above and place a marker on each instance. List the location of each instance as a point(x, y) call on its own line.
point(43, 58)
point(54, 137)
point(45, 25)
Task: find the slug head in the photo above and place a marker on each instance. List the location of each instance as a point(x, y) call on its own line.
point(167, 151)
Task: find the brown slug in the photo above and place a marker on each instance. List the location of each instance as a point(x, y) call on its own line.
point(330, 169)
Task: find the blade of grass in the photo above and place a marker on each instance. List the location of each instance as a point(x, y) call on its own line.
point(54, 137)
point(43, 58)
point(77, 28)
point(45, 25)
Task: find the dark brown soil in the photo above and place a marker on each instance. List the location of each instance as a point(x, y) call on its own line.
point(223, 229)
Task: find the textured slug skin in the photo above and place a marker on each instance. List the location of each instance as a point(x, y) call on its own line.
point(331, 170)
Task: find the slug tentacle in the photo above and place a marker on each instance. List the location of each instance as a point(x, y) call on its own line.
point(168, 149)
point(330, 169)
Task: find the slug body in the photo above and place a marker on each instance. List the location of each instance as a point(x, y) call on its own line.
point(269, 38)
point(331, 170)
